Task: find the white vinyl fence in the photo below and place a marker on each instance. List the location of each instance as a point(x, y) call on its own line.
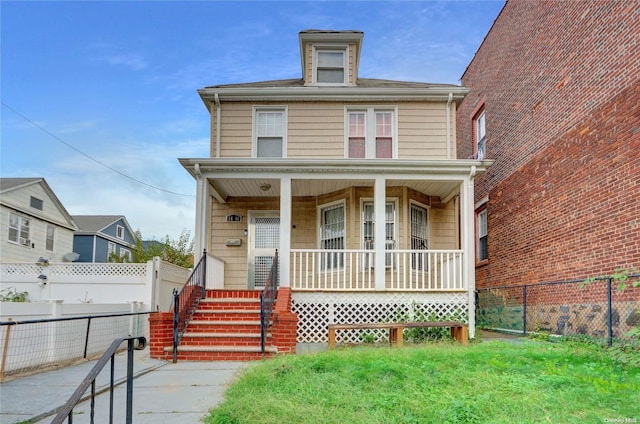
point(149, 284)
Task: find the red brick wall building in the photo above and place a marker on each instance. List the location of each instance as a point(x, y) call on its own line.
point(558, 84)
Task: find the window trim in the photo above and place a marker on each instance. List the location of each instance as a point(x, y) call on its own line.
point(119, 231)
point(338, 203)
point(18, 229)
point(52, 238)
point(254, 128)
point(36, 203)
point(478, 112)
point(125, 252)
point(370, 137)
point(111, 248)
point(481, 208)
point(331, 48)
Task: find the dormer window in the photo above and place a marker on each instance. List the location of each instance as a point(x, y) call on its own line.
point(330, 66)
point(330, 58)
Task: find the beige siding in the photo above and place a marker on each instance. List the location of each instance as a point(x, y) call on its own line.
point(422, 130)
point(236, 130)
point(316, 130)
point(454, 153)
point(213, 131)
point(308, 70)
point(352, 64)
point(444, 227)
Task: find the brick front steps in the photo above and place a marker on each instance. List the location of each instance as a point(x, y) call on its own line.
point(226, 326)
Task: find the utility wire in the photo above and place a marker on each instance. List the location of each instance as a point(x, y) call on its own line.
point(89, 156)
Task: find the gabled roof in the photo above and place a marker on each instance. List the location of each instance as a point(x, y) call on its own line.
point(97, 223)
point(10, 184)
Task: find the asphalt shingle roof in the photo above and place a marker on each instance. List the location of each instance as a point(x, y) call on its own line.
point(94, 223)
point(361, 83)
point(9, 183)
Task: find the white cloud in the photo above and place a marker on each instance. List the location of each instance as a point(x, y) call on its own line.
point(131, 61)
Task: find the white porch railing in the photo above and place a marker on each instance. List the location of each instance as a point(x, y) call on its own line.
point(353, 270)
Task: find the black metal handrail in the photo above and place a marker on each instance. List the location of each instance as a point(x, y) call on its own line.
point(267, 299)
point(186, 301)
point(66, 412)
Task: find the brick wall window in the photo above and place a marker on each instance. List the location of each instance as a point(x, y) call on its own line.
point(480, 135)
point(481, 235)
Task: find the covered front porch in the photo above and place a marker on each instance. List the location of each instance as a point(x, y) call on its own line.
point(321, 215)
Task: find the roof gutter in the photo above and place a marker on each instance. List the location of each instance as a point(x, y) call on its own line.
point(346, 94)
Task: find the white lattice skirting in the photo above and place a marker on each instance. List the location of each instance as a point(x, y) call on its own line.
point(317, 310)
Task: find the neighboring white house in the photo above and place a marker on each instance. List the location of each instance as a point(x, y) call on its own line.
point(33, 223)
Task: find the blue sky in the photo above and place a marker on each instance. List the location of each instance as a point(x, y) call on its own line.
point(117, 82)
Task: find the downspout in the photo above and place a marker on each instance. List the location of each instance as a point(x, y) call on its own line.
point(449, 125)
point(217, 101)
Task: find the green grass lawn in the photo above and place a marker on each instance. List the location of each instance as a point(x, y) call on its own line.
point(493, 382)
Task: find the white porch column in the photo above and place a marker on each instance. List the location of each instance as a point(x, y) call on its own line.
point(379, 206)
point(202, 223)
point(285, 230)
point(467, 227)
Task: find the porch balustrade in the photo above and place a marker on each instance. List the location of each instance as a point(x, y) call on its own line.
point(353, 270)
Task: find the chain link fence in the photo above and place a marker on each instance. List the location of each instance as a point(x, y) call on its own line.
point(34, 345)
point(598, 311)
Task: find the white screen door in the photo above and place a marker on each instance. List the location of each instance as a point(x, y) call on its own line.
point(264, 239)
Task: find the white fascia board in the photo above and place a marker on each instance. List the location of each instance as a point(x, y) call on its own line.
point(353, 168)
point(342, 94)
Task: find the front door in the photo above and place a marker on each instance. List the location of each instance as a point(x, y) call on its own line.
point(264, 239)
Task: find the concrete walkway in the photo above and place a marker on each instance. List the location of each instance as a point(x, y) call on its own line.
point(181, 393)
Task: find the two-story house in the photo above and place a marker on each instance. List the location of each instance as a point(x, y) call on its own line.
point(100, 237)
point(33, 222)
point(353, 180)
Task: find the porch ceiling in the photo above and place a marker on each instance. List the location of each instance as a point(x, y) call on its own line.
point(265, 187)
point(254, 177)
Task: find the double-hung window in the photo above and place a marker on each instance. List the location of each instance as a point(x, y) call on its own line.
point(51, 231)
point(368, 228)
point(270, 132)
point(120, 232)
point(482, 241)
point(330, 66)
point(111, 249)
point(125, 255)
point(480, 136)
point(332, 234)
point(19, 229)
point(370, 133)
